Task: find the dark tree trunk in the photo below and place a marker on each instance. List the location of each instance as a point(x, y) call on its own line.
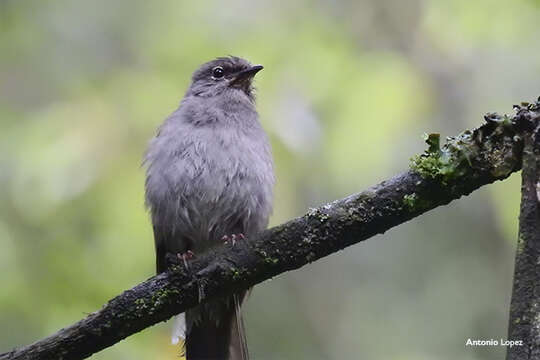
point(524, 323)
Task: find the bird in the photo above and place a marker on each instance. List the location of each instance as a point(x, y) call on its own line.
point(209, 180)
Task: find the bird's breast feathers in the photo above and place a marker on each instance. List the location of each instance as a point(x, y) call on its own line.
point(211, 177)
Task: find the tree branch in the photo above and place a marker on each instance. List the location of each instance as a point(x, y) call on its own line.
point(524, 323)
point(466, 162)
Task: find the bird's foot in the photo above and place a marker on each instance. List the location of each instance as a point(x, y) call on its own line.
point(188, 255)
point(232, 238)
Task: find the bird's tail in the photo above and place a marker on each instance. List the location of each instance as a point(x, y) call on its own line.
point(216, 331)
point(238, 346)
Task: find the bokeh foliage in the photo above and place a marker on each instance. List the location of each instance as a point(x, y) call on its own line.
point(348, 89)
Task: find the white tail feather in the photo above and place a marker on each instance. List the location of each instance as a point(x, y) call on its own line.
point(179, 328)
point(240, 328)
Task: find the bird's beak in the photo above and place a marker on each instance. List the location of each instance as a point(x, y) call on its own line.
point(243, 78)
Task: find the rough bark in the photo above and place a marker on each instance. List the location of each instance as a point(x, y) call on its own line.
point(465, 163)
point(524, 323)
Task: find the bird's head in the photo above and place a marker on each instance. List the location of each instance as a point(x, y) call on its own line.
point(224, 75)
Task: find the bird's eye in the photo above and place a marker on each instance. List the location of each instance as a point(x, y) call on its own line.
point(218, 72)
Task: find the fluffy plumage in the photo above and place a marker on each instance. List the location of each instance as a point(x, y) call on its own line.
point(209, 174)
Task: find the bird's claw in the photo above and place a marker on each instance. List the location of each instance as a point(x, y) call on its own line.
point(188, 255)
point(232, 238)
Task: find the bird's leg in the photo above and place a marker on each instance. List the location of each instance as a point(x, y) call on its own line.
point(232, 238)
point(188, 255)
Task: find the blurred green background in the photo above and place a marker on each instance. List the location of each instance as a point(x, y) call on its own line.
point(347, 91)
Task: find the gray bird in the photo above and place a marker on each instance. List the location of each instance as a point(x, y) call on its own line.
point(209, 178)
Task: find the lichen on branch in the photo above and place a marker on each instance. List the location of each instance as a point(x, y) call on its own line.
point(471, 151)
